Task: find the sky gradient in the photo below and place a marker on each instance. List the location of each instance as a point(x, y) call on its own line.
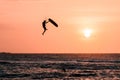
point(20, 26)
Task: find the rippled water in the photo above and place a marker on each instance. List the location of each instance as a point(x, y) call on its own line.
point(59, 67)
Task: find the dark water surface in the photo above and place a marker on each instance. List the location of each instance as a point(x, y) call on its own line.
point(59, 66)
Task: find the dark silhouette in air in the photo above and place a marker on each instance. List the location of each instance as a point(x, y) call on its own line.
point(44, 26)
point(53, 22)
point(45, 22)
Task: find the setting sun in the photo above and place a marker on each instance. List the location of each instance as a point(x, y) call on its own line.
point(87, 33)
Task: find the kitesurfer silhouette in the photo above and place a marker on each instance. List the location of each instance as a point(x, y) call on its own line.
point(44, 26)
point(45, 22)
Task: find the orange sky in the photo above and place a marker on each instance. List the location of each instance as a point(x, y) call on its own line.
point(20, 26)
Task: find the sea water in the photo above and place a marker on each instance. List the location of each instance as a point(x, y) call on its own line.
point(59, 66)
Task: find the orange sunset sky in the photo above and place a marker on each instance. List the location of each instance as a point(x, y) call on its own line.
point(21, 26)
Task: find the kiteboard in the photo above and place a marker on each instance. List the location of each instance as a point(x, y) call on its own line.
point(53, 22)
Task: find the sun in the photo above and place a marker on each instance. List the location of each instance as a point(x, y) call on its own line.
point(87, 32)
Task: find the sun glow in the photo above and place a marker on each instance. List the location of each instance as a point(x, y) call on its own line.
point(87, 33)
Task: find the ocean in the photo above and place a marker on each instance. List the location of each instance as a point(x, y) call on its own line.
point(59, 66)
